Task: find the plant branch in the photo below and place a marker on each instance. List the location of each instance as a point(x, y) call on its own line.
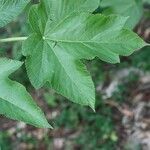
point(13, 39)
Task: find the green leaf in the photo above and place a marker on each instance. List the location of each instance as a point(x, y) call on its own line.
point(57, 10)
point(59, 42)
point(15, 102)
point(9, 9)
point(131, 8)
point(67, 75)
point(60, 9)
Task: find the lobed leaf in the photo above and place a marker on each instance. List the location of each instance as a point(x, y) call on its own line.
point(61, 38)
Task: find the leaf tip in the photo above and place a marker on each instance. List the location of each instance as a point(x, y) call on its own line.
point(50, 127)
point(92, 106)
point(47, 125)
point(147, 44)
point(118, 60)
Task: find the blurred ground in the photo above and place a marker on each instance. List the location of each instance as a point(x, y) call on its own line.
point(122, 118)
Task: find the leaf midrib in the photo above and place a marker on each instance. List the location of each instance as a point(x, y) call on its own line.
point(61, 64)
point(82, 42)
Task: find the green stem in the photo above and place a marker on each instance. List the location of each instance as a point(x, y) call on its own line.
point(13, 39)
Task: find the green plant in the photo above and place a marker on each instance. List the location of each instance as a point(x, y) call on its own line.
point(86, 124)
point(63, 33)
point(5, 142)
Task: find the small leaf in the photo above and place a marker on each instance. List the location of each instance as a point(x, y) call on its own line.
point(15, 102)
point(9, 9)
